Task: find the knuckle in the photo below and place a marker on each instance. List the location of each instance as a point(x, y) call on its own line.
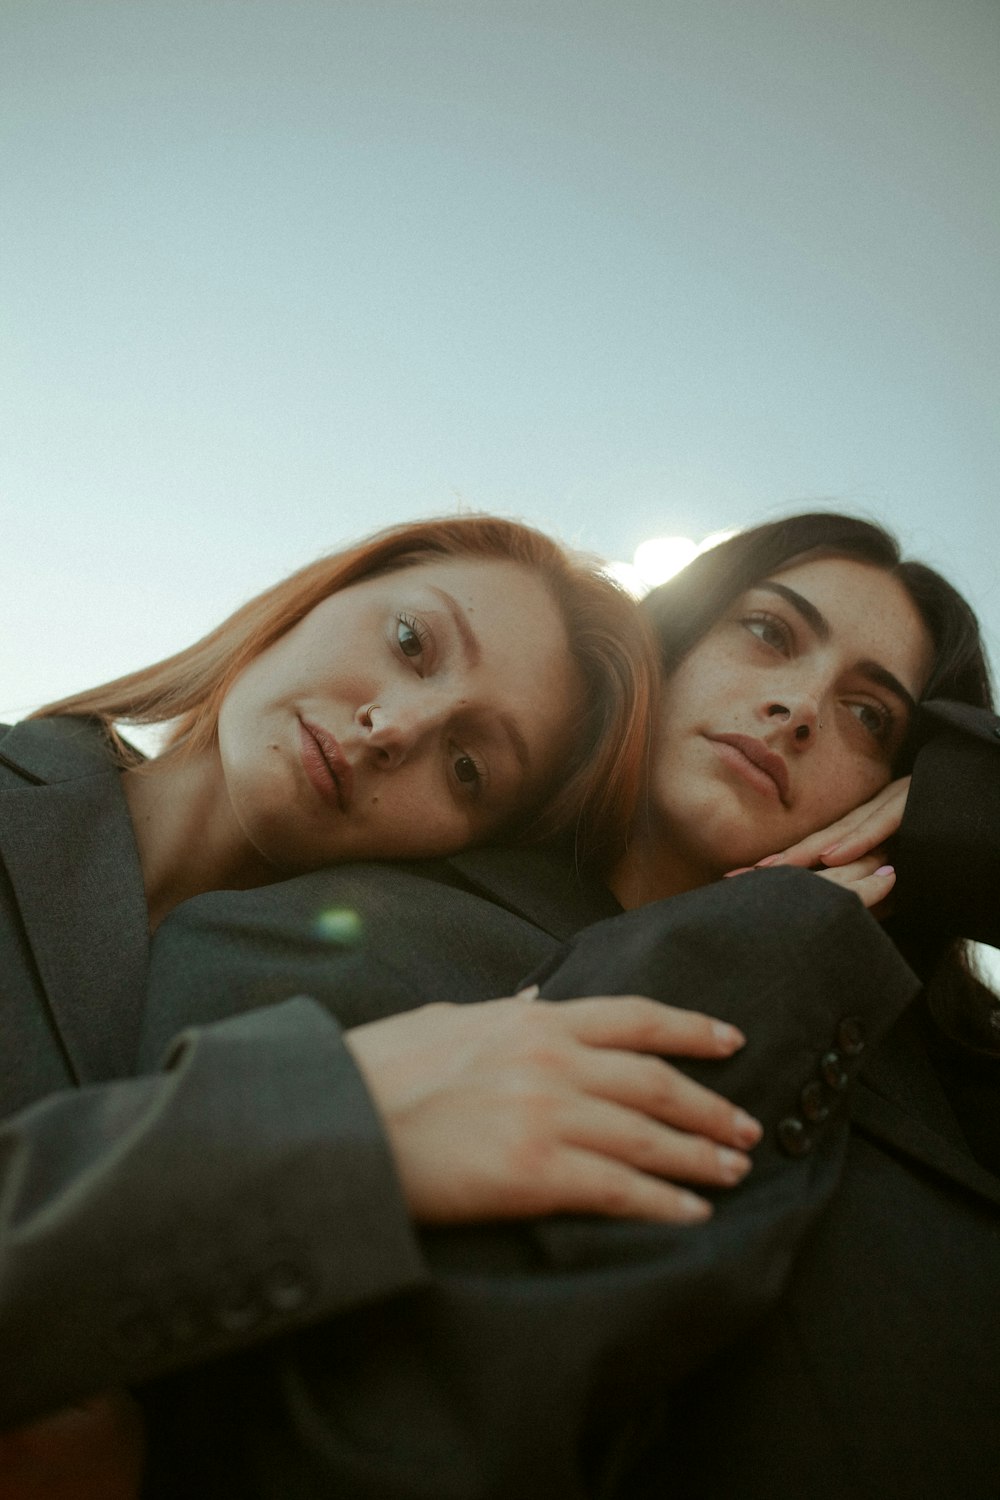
point(612, 1196)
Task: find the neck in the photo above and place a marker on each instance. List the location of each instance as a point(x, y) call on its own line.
point(188, 838)
point(652, 869)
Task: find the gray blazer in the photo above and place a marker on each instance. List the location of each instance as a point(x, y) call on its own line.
point(850, 1285)
point(244, 1187)
point(157, 1222)
point(133, 1206)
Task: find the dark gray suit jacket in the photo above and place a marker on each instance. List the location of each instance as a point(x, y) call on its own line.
point(152, 1223)
point(131, 1207)
point(548, 1361)
point(876, 1378)
point(161, 1221)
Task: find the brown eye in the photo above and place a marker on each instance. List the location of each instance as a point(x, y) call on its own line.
point(465, 769)
point(875, 718)
point(408, 637)
point(769, 629)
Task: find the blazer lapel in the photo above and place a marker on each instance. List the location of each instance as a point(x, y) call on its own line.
point(898, 1081)
point(71, 858)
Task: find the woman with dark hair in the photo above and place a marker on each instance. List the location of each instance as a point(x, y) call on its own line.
point(955, 712)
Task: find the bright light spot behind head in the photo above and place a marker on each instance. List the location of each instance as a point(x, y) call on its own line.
point(627, 577)
point(663, 556)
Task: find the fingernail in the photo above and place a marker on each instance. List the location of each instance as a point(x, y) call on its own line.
point(693, 1210)
point(733, 1164)
point(743, 870)
point(747, 1130)
point(529, 993)
point(728, 1036)
point(885, 870)
point(765, 864)
point(824, 853)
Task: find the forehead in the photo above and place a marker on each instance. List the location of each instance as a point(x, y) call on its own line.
point(869, 614)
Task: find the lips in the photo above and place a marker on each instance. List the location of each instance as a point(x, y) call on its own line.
point(759, 756)
point(325, 764)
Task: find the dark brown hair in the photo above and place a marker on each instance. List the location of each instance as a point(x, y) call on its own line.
point(682, 610)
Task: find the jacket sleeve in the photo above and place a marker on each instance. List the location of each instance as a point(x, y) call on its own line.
point(164, 1220)
point(525, 1365)
point(948, 848)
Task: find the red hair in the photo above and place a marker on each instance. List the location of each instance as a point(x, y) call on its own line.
point(608, 643)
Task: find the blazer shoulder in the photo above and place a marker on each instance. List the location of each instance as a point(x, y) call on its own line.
point(940, 713)
point(41, 752)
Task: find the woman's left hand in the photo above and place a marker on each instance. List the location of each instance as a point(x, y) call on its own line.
point(856, 834)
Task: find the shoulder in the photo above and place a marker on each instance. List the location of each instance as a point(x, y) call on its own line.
point(939, 715)
point(40, 752)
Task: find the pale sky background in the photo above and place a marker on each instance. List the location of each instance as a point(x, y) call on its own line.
point(276, 274)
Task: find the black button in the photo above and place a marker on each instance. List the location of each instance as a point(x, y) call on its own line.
point(793, 1137)
point(851, 1036)
point(832, 1068)
point(284, 1287)
point(815, 1102)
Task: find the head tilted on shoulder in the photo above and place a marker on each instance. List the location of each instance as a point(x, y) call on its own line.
point(444, 682)
point(794, 655)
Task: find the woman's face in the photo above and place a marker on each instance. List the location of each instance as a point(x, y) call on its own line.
point(405, 716)
point(788, 713)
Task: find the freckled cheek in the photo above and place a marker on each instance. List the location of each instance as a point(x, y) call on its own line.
point(844, 784)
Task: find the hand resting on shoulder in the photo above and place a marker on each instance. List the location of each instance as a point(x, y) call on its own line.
point(519, 1107)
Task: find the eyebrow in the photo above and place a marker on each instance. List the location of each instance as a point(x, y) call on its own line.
point(517, 740)
point(820, 626)
point(472, 651)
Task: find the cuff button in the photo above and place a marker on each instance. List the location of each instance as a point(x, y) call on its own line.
point(793, 1137)
point(851, 1036)
point(831, 1067)
point(814, 1102)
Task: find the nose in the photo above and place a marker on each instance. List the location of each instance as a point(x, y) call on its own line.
point(800, 713)
point(395, 732)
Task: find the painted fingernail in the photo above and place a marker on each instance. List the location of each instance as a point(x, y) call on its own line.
point(747, 1130)
point(693, 1210)
point(743, 870)
point(885, 870)
point(733, 1165)
point(728, 1036)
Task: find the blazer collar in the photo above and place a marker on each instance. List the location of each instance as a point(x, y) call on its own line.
point(67, 843)
point(898, 1081)
point(538, 884)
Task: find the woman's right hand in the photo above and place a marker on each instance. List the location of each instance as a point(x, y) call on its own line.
point(520, 1107)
